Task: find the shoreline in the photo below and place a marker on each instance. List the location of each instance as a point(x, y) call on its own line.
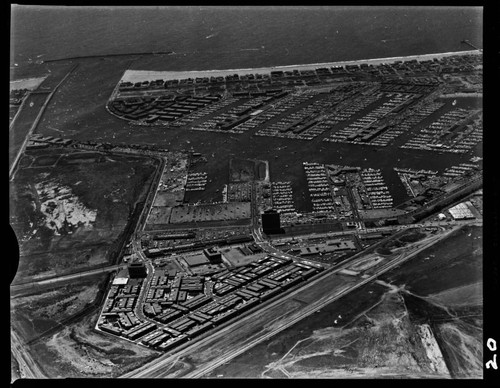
point(26, 83)
point(147, 75)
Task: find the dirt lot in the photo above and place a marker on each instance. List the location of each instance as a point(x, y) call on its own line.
point(380, 342)
point(453, 262)
point(72, 216)
point(245, 170)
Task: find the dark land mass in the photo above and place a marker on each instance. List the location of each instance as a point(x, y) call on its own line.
point(109, 186)
point(80, 351)
point(39, 313)
point(252, 363)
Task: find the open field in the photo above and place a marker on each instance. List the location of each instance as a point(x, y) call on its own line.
point(73, 216)
point(447, 282)
point(444, 266)
point(79, 104)
point(367, 334)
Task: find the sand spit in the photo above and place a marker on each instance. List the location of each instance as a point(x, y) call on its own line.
point(432, 349)
point(26, 83)
point(147, 75)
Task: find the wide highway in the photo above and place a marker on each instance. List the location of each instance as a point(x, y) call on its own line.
point(28, 368)
point(64, 278)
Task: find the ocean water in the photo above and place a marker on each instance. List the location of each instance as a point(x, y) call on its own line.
point(228, 37)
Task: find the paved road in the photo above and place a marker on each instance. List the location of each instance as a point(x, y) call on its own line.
point(28, 368)
point(64, 278)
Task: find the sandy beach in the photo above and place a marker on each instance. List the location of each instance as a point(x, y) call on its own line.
point(26, 83)
point(146, 75)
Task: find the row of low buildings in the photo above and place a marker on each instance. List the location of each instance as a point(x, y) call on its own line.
point(329, 246)
point(39, 141)
point(164, 108)
point(425, 68)
point(171, 322)
point(190, 246)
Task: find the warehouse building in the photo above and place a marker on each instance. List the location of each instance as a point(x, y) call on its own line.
point(328, 247)
point(461, 212)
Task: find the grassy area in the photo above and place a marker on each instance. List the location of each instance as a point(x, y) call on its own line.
point(78, 107)
point(72, 217)
point(452, 262)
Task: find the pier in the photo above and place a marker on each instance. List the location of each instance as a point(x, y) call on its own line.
point(466, 41)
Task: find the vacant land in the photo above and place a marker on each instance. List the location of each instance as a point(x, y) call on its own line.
point(72, 217)
point(445, 282)
point(453, 262)
point(39, 312)
point(245, 170)
point(78, 107)
point(371, 338)
point(78, 350)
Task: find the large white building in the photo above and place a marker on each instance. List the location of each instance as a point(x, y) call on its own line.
point(461, 212)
